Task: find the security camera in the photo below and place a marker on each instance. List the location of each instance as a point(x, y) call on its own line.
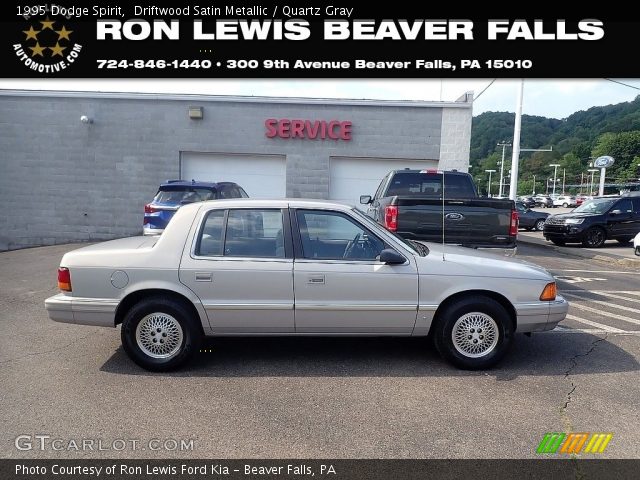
point(85, 119)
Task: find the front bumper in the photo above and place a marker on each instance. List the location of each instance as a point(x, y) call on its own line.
point(98, 312)
point(541, 316)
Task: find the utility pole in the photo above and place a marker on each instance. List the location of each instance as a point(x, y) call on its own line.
point(592, 171)
point(564, 178)
point(503, 145)
point(555, 174)
point(489, 188)
point(533, 192)
point(581, 181)
point(515, 152)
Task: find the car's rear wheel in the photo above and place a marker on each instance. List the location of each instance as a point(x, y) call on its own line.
point(565, 204)
point(160, 334)
point(594, 237)
point(540, 224)
point(473, 333)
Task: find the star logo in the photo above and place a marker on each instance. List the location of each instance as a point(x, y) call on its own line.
point(63, 33)
point(47, 24)
point(37, 50)
point(47, 45)
point(31, 33)
point(57, 50)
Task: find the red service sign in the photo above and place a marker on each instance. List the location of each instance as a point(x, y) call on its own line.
point(312, 129)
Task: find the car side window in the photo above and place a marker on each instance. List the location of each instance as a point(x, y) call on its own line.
point(327, 235)
point(625, 206)
point(636, 205)
point(210, 240)
point(378, 193)
point(254, 233)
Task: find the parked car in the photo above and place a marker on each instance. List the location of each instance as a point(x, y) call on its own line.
point(565, 201)
point(596, 221)
point(527, 201)
point(409, 202)
point(636, 244)
point(175, 193)
point(298, 267)
point(543, 201)
point(580, 199)
point(530, 219)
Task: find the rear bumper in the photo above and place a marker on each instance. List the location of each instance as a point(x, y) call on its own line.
point(146, 230)
point(541, 316)
point(98, 312)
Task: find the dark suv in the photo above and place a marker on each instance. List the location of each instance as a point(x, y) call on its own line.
point(174, 193)
point(596, 221)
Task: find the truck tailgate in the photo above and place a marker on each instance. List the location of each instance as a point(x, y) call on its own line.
point(474, 222)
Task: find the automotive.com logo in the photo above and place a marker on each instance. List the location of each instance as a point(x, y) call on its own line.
point(573, 443)
point(47, 46)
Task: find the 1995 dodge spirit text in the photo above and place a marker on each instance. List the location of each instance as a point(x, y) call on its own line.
point(298, 267)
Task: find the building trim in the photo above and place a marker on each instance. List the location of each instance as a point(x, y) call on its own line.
point(235, 99)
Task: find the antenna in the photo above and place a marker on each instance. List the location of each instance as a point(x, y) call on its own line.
point(443, 259)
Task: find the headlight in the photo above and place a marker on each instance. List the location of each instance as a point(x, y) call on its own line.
point(574, 221)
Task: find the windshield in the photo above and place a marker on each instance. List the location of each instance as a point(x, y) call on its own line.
point(418, 249)
point(599, 205)
point(180, 194)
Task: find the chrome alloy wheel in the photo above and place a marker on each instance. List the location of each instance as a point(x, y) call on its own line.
point(159, 335)
point(475, 335)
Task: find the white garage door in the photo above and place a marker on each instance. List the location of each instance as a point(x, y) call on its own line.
point(261, 176)
point(352, 177)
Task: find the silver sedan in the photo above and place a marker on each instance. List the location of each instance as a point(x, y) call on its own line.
point(298, 267)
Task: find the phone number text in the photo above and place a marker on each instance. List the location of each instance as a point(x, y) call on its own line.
point(160, 64)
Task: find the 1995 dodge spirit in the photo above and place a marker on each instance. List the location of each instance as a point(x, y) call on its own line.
point(298, 267)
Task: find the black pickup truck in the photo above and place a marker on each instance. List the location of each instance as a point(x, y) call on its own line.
point(410, 203)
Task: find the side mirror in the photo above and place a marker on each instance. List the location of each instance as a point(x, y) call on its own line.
point(615, 212)
point(391, 257)
point(365, 199)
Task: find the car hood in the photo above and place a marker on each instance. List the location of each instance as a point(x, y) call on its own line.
point(471, 262)
point(563, 216)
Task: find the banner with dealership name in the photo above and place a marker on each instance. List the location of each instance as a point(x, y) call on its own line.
point(242, 39)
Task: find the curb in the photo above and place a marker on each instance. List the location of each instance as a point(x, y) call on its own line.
point(604, 256)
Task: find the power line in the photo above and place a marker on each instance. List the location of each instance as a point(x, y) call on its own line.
point(485, 89)
point(622, 83)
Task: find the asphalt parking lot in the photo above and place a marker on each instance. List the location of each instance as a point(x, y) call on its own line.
point(321, 398)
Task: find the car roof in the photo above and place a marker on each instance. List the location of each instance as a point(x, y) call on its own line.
point(194, 183)
point(268, 203)
point(429, 170)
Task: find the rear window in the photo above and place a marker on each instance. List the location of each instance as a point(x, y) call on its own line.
point(184, 194)
point(430, 184)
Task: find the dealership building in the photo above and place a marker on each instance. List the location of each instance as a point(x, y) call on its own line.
point(80, 166)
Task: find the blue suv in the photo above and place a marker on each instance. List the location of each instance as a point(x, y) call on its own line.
point(175, 193)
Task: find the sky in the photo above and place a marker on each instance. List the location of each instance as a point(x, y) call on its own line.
point(557, 98)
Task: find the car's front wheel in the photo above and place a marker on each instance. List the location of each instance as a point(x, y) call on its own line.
point(473, 333)
point(159, 334)
point(539, 225)
point(594, 237)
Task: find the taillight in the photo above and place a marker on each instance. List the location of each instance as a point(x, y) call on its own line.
point(513, 228)
point(149, 209)
point(64, 279)
point(391, 217)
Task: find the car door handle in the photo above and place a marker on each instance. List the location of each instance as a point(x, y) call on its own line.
point(315, 280)
point(203, 277)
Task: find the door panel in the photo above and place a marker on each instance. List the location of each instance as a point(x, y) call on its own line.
point(340, 286)
point(240, 271)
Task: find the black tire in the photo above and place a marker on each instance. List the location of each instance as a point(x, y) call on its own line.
point(560, 243)
point(624, 241)
point(565, 204)
point(169, 311)
point(457, 312)
point(539, 225)
point(594, 237)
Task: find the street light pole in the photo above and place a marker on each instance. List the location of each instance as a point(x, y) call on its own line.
point(515, 151)
point(555, 174)
point(489, 187)
point(503, 145)
point(564, 178)
point(533, 192)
